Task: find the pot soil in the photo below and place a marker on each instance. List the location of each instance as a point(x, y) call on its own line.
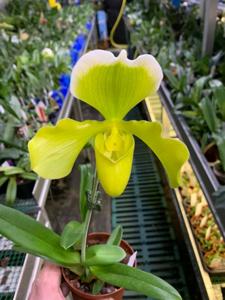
point(108, 292)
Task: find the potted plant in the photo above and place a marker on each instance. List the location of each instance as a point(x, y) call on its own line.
point(216, 127)
point(112, 85)
point(16, 181)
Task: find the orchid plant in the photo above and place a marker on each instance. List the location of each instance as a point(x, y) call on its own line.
point(113, 86)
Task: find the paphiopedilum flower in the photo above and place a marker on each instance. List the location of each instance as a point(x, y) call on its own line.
point(54, 4)
point(113, 86)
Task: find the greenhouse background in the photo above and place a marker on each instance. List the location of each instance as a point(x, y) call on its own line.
point(178, 233)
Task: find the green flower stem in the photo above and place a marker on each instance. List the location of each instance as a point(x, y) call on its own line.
point(93, 200)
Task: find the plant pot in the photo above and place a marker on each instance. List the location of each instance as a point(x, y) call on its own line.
point(25, 189)
point(211, 153)
point(3, 188)
point(220, 174)
point(98, 238)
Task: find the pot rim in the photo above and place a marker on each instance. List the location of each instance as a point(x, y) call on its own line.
point(218, 172)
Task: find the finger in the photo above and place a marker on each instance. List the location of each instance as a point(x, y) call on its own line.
point(50, 274)
point(47, 284)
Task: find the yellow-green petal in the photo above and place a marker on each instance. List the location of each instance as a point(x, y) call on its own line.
point(54, 149)
point(114, 161)
point(113, 85)
point(54, 4)
point(171, 152)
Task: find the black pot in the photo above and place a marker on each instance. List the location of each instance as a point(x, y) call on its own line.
point(211, 153)
point(3, 188)
point(220, 175)
point(25, 189)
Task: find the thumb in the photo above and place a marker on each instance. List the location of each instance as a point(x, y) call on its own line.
point(50, 274)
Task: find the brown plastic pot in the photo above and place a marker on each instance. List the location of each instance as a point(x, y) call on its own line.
point(101, 238)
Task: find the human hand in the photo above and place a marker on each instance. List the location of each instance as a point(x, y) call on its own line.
point(48, 286)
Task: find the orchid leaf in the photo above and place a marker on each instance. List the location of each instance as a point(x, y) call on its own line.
point(97, 286)
point(71, 234)
point(11, 191)
point(8, 171)
point(77, 269)
point(220, 142)
point(29, 176)
point(116, 236)
point(219, 95)
point(10, 153)
point(17, 145)
point(136, 280)
point(173, 80)
point(9, 131)
point(34, 237)
point(54, 149)
point(103, 255)
point(9, 109)
point(200, 83)
point(113, 85)
point(209, 113)
point(171, 152)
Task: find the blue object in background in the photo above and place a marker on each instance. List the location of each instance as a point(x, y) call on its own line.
point(75, 51)
point(76, 48)
point(88, 25)
point(74, 55)
point(176, 3)
point(77, 2)
point(102, 25)
point(57, 96)
point(63, 90)
point(79, 42)
point(60, 94)
point(36, 101)
point(64, 80)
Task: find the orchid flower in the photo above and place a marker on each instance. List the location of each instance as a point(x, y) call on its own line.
point(54, 4)
point(113, 86)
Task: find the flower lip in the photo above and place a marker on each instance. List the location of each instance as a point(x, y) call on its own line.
point(114, 167)
point(113, 141)
point(114, 144)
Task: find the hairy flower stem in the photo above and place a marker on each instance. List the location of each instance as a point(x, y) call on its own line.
point(93, 200)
